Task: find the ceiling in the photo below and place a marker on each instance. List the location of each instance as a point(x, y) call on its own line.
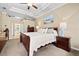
point(20, 10)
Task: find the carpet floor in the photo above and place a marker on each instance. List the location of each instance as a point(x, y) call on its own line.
point(15, 48)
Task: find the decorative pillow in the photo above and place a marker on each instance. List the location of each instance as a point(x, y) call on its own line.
point(46, 29)
point(50, 31)
point(43, 30)
point(40, 30)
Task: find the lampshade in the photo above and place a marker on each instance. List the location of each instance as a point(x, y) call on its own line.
point(37, 27)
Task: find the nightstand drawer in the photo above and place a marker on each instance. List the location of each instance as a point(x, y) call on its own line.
point(63, 42)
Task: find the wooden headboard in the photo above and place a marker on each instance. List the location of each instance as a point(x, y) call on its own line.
point(55, 28)
point(30, 29)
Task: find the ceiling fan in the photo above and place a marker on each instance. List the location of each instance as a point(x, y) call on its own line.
point(30, 5)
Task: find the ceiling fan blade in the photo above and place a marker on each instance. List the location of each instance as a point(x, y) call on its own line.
point(35, 6)
point(28, 7)
point(4, 7)
point(9, 15)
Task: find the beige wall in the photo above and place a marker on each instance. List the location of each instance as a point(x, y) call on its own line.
point(69, 12)
point(65, 11)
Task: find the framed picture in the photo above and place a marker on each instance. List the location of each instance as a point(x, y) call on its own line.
point(48, 19)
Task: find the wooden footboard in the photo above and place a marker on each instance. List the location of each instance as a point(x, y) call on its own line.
point(26, 41)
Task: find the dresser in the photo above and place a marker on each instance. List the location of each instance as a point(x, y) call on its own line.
point(63, 43)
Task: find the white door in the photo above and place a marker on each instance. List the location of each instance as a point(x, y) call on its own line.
point(16, 30)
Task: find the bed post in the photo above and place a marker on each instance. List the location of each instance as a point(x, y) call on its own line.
point(20, 37)
point(26, 41)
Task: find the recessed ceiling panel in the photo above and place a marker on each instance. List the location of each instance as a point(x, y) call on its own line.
point(18, 9)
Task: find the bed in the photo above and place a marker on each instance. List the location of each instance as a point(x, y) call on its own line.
point(34, 40)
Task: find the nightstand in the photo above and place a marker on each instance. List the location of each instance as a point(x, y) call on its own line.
point(63, 43)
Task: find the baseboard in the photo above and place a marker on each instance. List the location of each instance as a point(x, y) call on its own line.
point(75, 48)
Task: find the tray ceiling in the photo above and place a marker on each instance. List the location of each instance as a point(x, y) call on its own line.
point(20, 10)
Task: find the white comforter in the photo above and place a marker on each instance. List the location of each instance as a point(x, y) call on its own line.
point(38, 39)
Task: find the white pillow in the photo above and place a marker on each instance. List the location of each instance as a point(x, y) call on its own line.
point(46, 29)
point(40, 30)
point(50, 31)
point(55, 32)
point(43, 30)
